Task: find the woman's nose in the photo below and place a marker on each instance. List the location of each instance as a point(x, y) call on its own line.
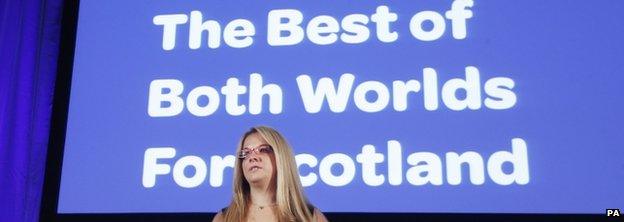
point(254, 157)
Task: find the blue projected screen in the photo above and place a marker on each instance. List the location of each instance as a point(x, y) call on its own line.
point(461, 106)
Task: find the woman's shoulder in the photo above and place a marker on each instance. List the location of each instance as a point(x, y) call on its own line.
point(219, 216)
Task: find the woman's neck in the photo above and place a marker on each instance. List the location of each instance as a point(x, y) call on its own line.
point(262, 195)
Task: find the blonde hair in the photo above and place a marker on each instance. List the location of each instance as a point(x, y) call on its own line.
point(292, 204)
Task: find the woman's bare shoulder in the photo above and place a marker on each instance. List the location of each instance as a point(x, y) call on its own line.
point(218, 217)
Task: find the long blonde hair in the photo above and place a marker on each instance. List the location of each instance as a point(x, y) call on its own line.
point(292, 204)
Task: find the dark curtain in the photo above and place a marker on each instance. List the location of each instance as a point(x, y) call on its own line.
point(29, 44)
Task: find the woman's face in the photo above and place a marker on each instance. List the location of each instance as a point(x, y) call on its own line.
point(259, 163)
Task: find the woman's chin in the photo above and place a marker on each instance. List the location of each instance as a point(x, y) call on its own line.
point(254, 178)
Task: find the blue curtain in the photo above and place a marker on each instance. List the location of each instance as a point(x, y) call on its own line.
point(29, 44)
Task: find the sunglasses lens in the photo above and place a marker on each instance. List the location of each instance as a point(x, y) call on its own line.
point(266, 149)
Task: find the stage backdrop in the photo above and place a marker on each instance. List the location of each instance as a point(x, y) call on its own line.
point(391, 106)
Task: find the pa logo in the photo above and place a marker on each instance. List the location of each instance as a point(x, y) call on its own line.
point(613, 213)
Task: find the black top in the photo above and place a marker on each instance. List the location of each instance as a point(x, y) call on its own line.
point(310, 208)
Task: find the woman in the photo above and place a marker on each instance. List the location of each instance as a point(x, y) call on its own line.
point(266, 182)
